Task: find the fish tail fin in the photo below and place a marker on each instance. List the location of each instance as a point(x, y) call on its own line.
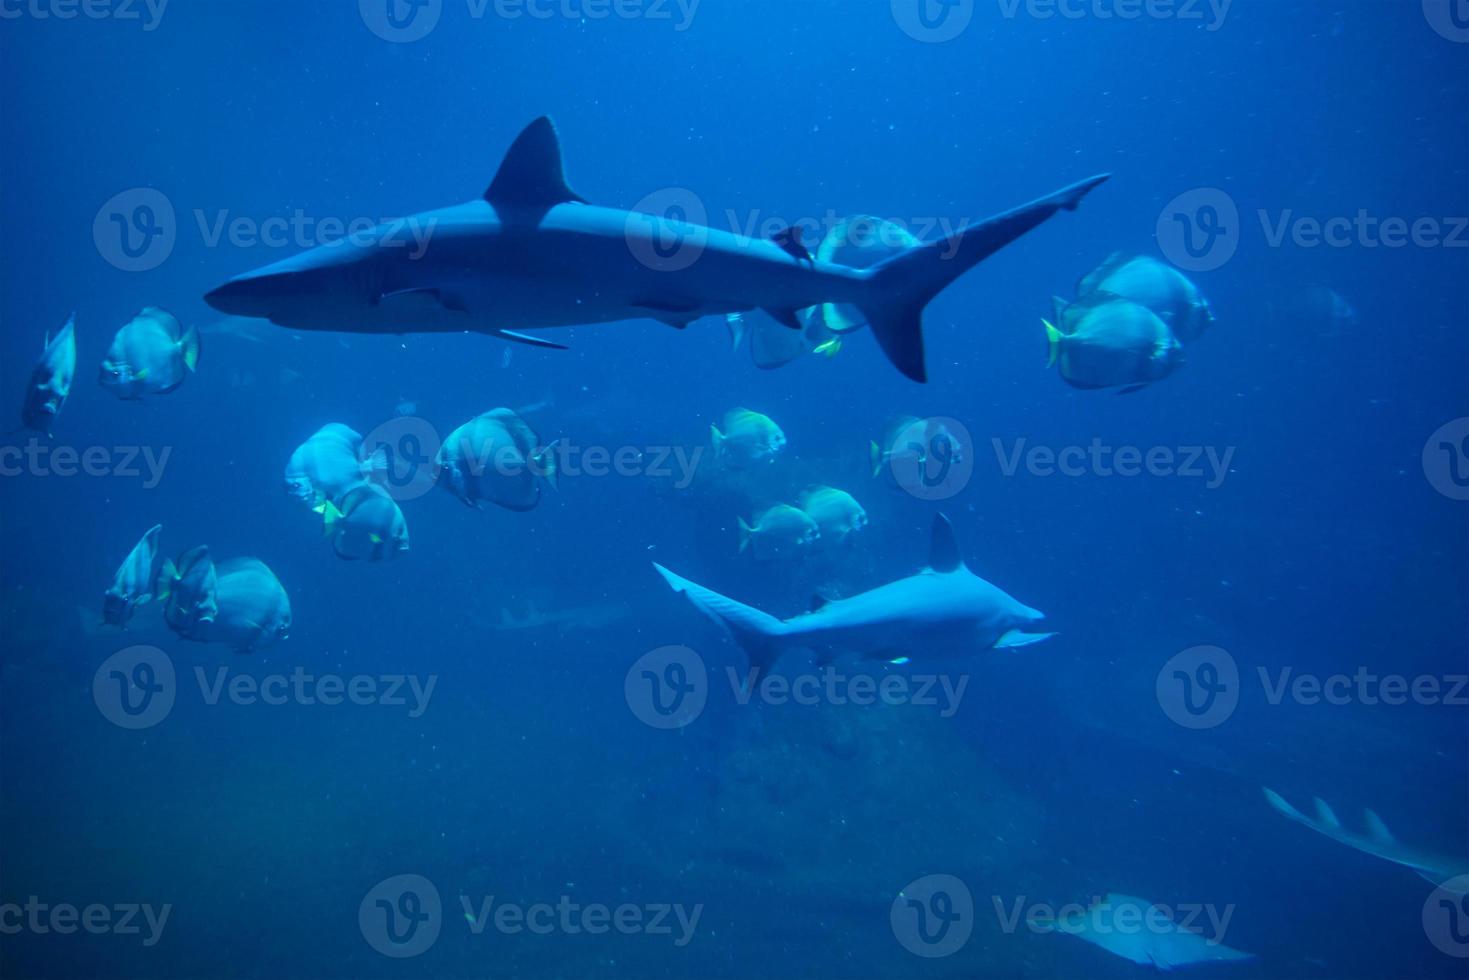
point(874, 455)
point(903, 285)
point(746, 533)
point(168, 574)
point(329, 517)
point(759, 634)
point(375, 467)
point(737, 329)
point(545, 464)
point(189, 347)
point(716, 439)
point(1053, 342)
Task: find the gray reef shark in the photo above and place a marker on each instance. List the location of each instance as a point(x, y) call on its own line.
point(531, 254)
point(1378, 841)
point(943, 611)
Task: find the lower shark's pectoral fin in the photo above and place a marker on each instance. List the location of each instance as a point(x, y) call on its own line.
point(675, 313)
point(421, 300)
point(528, 340)
point(1012, 639)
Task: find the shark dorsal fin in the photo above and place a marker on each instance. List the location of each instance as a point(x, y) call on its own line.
point(530, 176)
point(944, 552)
point(818, 601)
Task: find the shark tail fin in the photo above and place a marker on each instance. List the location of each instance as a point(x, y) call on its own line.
point(904, 284)
point(757, 633)
point(746, 533)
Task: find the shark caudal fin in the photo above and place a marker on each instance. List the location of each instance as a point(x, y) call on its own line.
point(757, 633)
point(904, 284)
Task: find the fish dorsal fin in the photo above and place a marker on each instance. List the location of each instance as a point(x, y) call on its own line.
point(530, 176)
point(944, 551)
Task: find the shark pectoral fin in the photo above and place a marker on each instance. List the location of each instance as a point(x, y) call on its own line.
point(531, 175)
point(529, 341)
point(421, 299)
point(675, 313)
point(786, 318)
point(1016, 638)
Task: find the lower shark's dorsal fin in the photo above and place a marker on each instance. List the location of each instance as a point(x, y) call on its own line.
point(944, 551)
point(531, 176)
point(1377, 828)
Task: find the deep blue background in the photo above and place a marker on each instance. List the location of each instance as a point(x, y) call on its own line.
point(1325, 549)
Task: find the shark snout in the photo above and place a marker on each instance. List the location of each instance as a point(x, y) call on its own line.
point(254, 294)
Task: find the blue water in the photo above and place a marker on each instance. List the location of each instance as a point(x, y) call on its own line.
point(1326, 547)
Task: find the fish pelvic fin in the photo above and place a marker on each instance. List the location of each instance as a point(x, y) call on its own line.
point(1053, 343)
point(544, 462)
